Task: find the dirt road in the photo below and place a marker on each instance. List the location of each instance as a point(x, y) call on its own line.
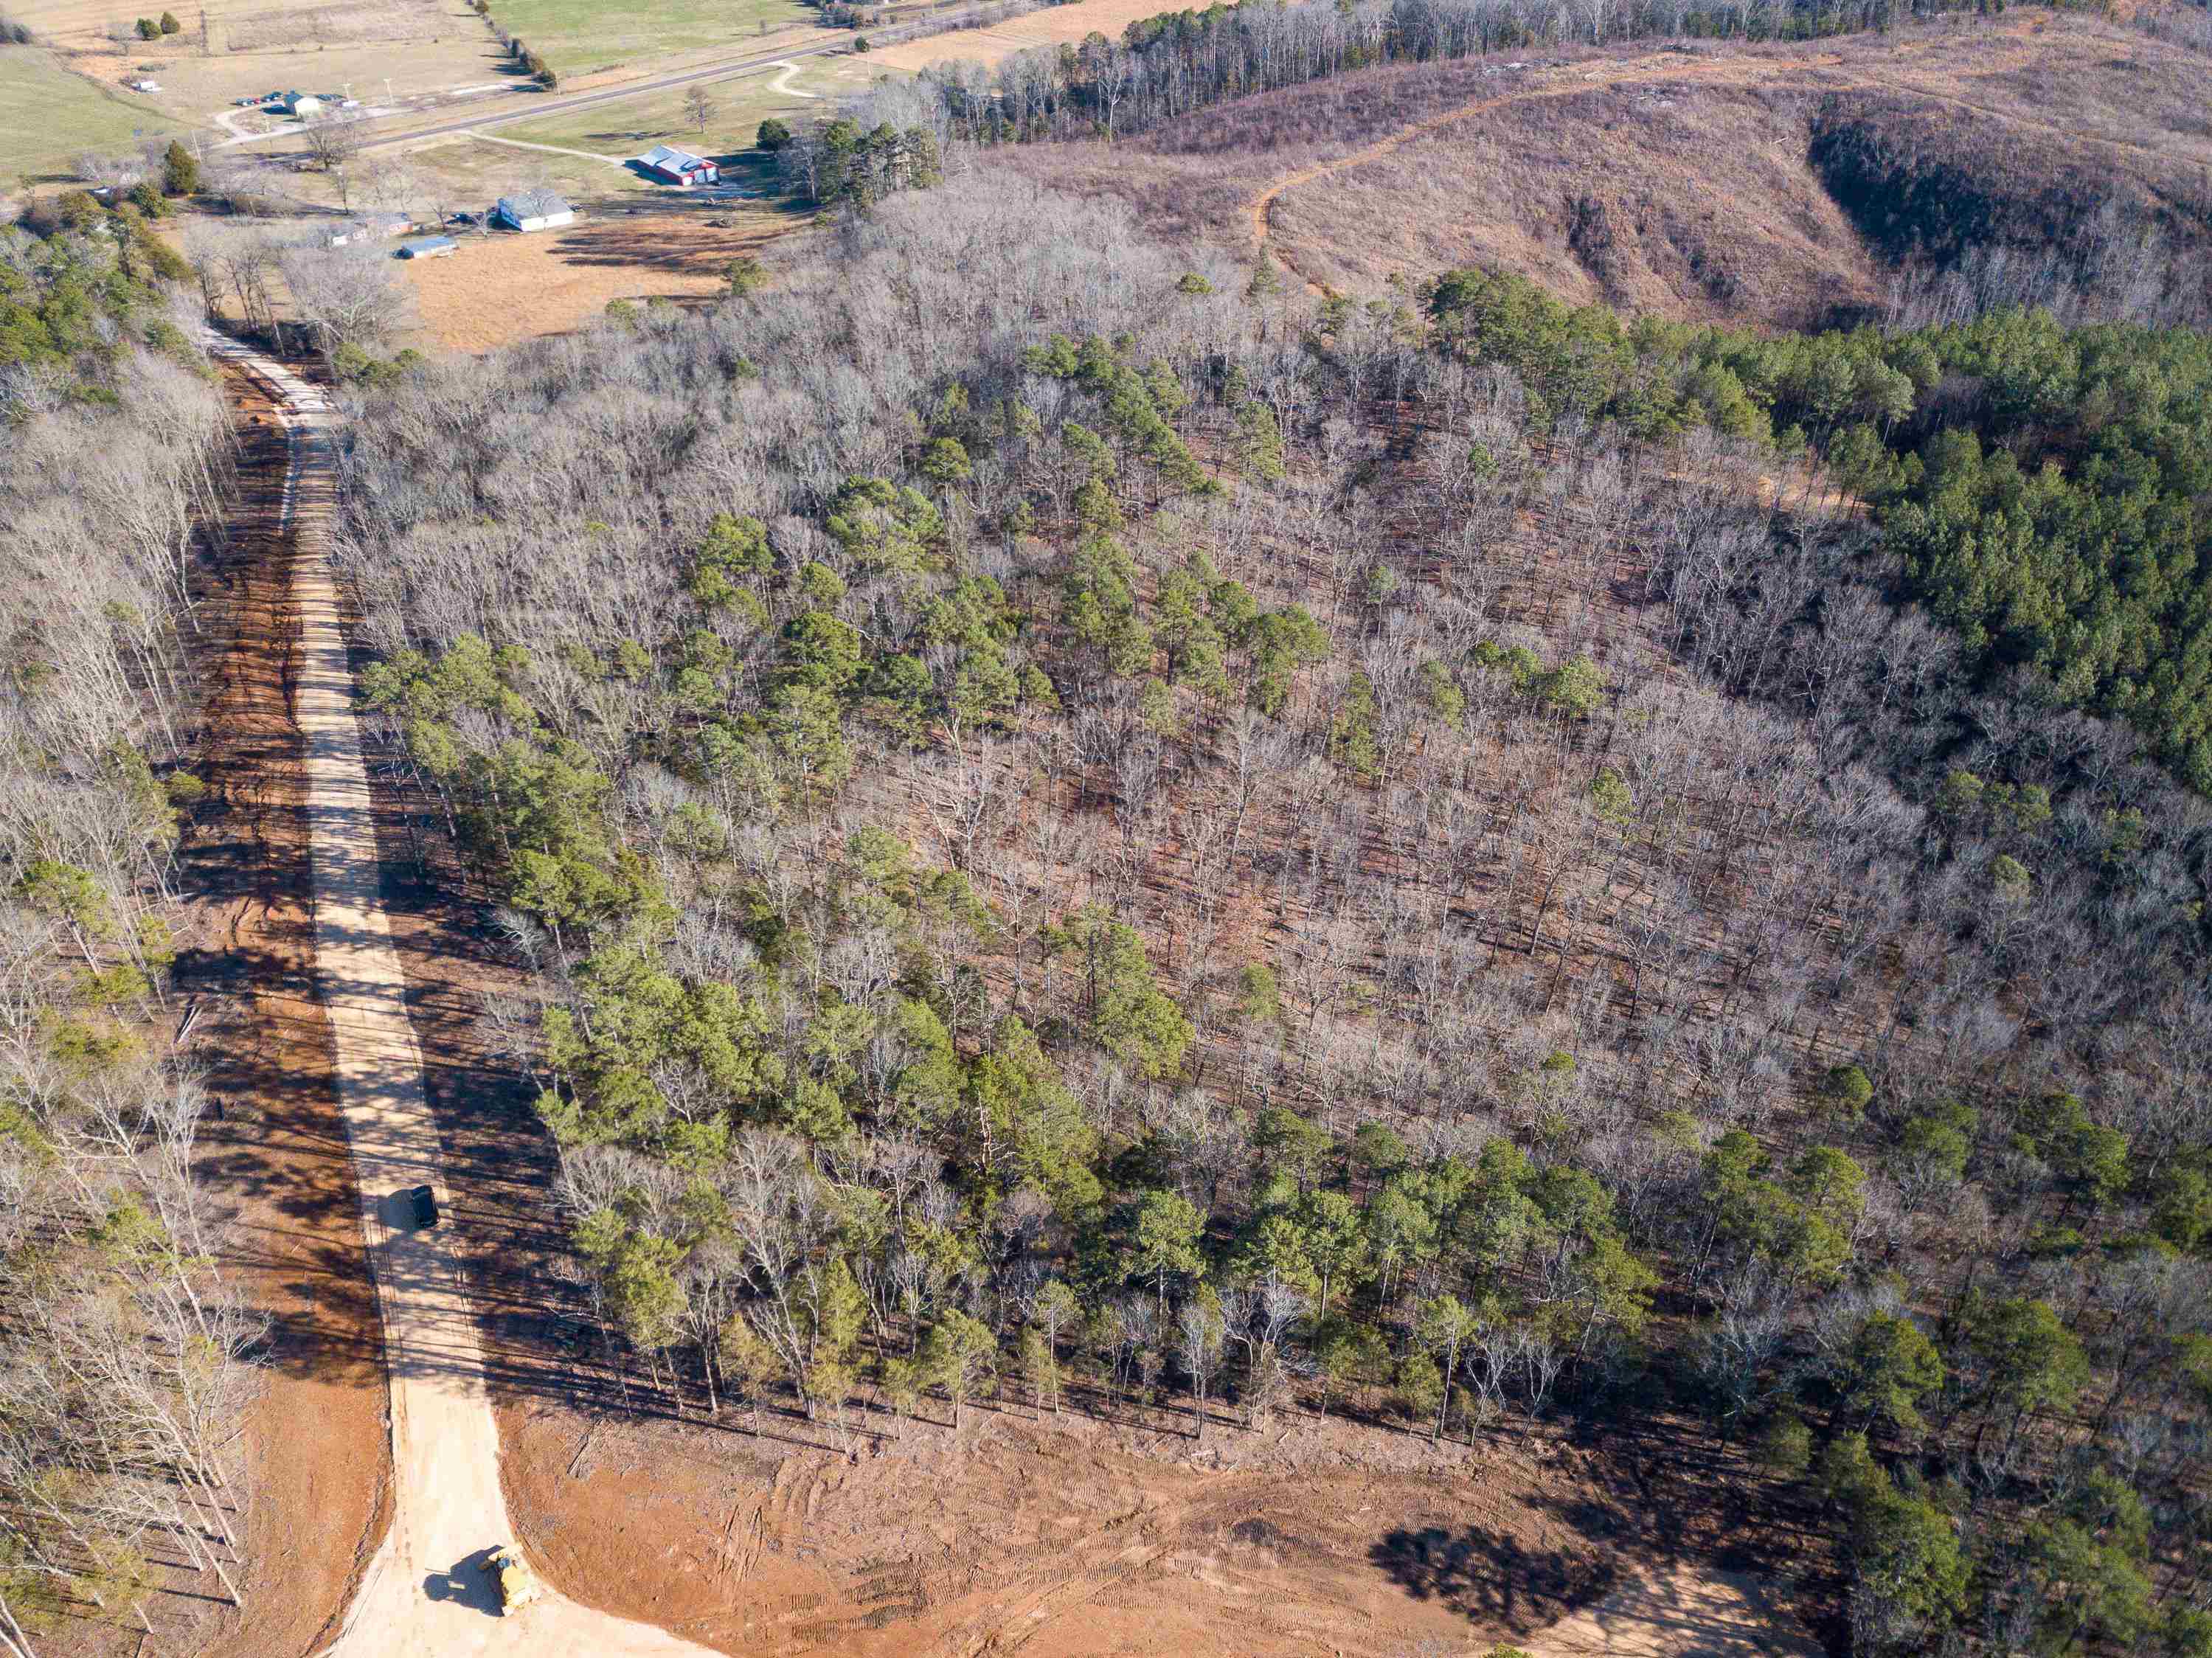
point(425, 1595)
point(274, 1157)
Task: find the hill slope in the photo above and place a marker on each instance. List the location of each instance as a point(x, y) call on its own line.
point(1683, 181)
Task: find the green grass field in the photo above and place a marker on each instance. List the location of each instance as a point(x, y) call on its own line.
point(471, 171)
point(49, 116)
point(577, 37)
point(634, 125)
point(466, 173)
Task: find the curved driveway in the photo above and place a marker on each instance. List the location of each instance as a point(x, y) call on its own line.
point(425, 1595)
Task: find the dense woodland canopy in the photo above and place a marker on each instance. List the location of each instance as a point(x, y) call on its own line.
point(120, 1371)
point(2043, 487)
point(1083, 822)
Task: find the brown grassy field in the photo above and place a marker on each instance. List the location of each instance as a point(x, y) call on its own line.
point(1675, 180)
point(1047, 28)
point(504, 289)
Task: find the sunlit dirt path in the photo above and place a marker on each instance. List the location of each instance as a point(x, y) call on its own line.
point(425, 1595)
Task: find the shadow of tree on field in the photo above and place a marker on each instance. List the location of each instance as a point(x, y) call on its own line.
point(1489, 1575)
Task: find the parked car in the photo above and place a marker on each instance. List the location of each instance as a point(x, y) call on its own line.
point(424, 1202)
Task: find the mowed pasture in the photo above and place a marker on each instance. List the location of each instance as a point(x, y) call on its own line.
point(467, 171)
point(49, 116)
point(233, 49)
point(738, 106)
point(583, 37)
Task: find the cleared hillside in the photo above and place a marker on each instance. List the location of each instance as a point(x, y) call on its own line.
point(1684, 181)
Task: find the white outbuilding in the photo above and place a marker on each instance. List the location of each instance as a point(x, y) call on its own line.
point(372, 227)
point(533, 210)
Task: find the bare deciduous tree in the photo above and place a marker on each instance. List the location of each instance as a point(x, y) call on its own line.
point(349, 295)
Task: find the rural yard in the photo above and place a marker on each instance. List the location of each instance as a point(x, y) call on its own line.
point(498, 290)
point(388, 52)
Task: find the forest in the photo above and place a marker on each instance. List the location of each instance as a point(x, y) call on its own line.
point(1088, 829)
point(1084, 830)
point(125, 1359)
point(2040, 486)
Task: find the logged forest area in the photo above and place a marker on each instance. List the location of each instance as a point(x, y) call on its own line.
point(1372, 827)
point(1066, 819)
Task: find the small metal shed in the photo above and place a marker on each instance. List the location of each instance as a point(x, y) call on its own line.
point(533, 210)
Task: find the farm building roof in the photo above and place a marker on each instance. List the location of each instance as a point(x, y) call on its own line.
point(535, 203)
point(421, 245)
point(675, 159)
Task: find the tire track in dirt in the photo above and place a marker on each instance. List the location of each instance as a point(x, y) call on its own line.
point(1089, 1567)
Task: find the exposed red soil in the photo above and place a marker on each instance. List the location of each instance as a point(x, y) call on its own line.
point(315, 1443)
point(1060, 1536)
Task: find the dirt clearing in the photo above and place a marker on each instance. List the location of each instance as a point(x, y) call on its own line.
point(1076, 1538)
point(1681, 1611)
point(275, 1159)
